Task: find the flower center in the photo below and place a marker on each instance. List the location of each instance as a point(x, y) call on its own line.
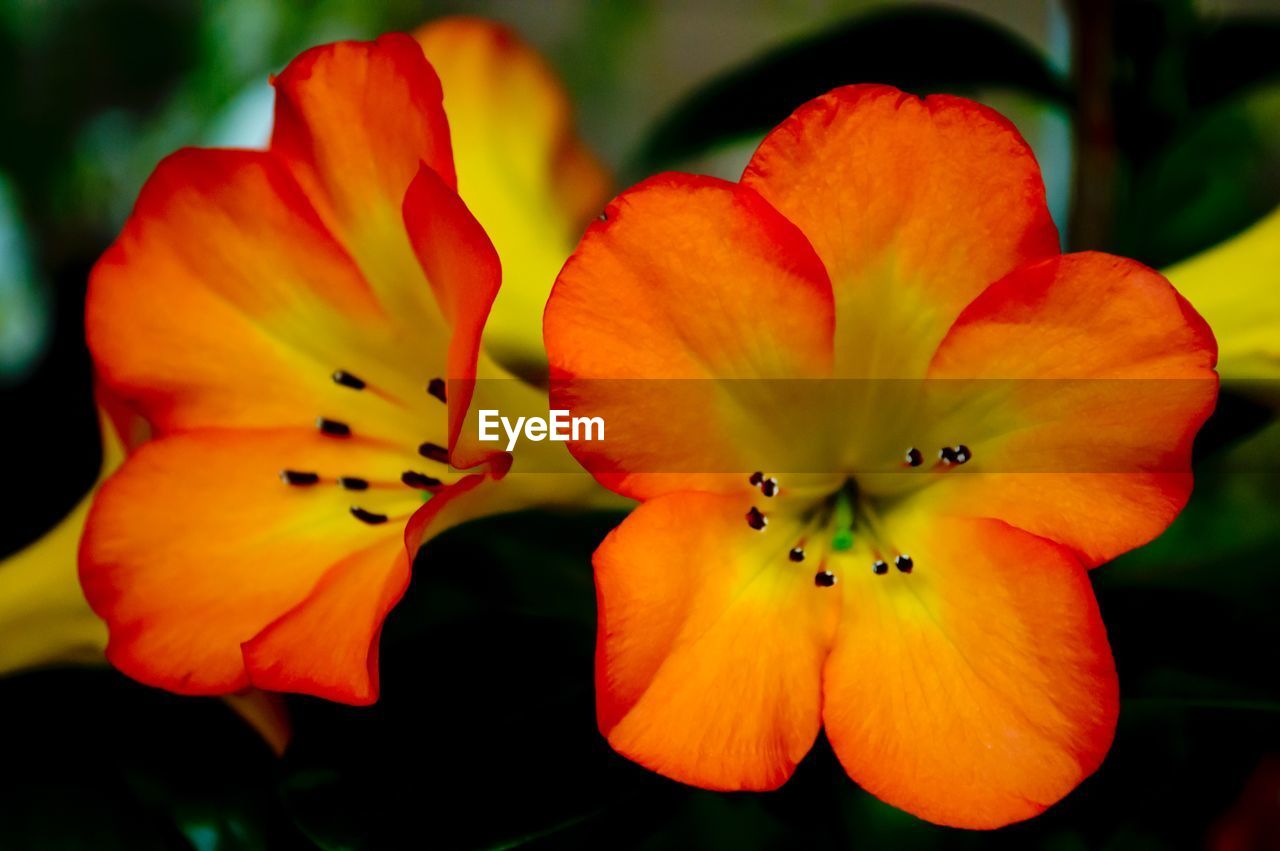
point(845, 523)
point(384, 497)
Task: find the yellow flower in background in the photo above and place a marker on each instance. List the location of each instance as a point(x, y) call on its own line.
point(44, 618)
point(523, 172)
point(1236, 287)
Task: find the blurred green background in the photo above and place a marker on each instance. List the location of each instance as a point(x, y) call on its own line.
point(1157, 125)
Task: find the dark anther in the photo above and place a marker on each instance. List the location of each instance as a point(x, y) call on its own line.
point(756, 519)
point(367, 516)
point(346, 379)
point(879, 568)
point(333, 428)
point(354, 483)
point(947, 455)
point(796, 554)
point(904, 563)
point(436, 388)
point(294, 477)
point(962, 454)
point(435, 452)
point(756, 478)
point(419, 480)
point(824, 579)
point(769, 487)
point(914, 458)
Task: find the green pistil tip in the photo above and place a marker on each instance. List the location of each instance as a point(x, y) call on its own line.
point(843, 520)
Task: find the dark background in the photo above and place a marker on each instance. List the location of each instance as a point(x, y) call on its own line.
point(1158, 128)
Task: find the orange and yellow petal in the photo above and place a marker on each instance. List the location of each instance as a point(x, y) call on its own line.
point(708, 658)
point(1095, 375)
point(348, 606)
point(688, 278)
point(914, 205)
point(354, 121)
point(521, 169)
point(226, 302)
point(196, 545)
point(977, 690)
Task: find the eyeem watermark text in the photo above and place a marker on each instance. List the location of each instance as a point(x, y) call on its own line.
point(557, 425)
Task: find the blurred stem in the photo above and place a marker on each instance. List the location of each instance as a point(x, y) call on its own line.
point(1096, 157)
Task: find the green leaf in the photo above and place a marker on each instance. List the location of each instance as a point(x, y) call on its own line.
point(1210, 182)
point(1222, 542)
point(92, 760)
point(917, 49)
point(1231, 56)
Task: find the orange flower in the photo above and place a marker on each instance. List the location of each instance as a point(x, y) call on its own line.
point(918, 586)
point(300, 326)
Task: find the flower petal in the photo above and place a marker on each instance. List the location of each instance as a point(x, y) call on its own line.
point(521, 169)
point(348, 606)
point(354, 121)
point(1103, 375)
point(708, 659)
point(979, 689)
point(1234, 285)
point(226, 302)
point(914, 205)
point(465, 273)
point(689, 278)
point(195, 546)
point(44, 618)
point(267, 713)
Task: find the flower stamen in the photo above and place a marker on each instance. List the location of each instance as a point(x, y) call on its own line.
point(950, 455)
point(333, 428)
point(421, 481)
point(346, 379)
point(365, 516)
point(434, 452)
